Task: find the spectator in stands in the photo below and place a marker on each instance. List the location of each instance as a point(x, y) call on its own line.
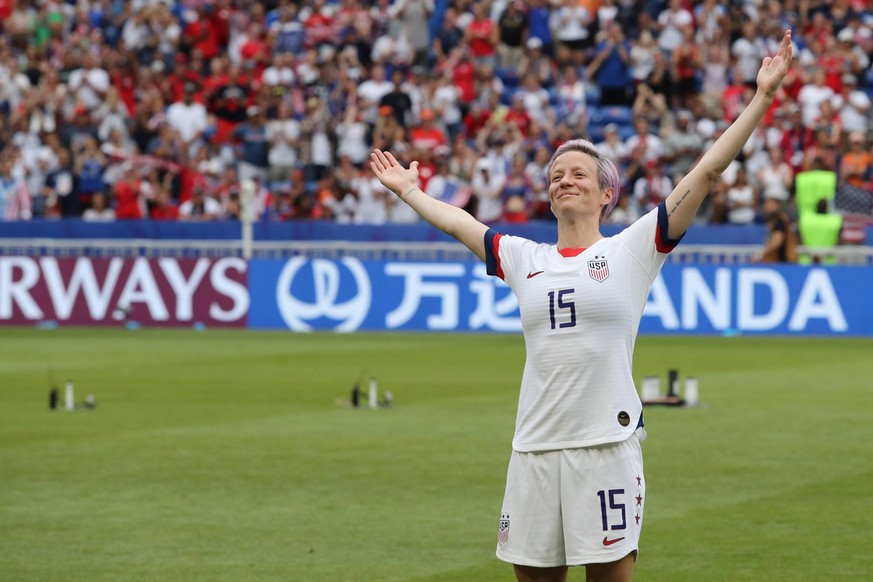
point(741, 200)
point(539, 15)
point(398, 99)
point(129, 199)
point(536, 102)
point(781, 245)
point(89, 165)
point(796, 138)
point(612, 146)
point(538, 185)
point(99, 210)
point(316, 149)
point(648, 145)
point(536, 62)
point(515, 188)
point(427, 135)
point(488, 187)
point(571, 28)
point(14, 197)
point(188, 117)
point(371, 91)
point(821, 151)
point(670, 23)
point(412, 18)
point(748, 50)
point(642, 56)
point(446, 105)
point(711, 19)
point(482, 36)
point(683, 145)
point(163, 207)
point(856, 164)
point(611, 68)
point(89, 84)
point(572, 102)
point(60, 195)
point(200, 207)
point(448, 37)
point(512, 27)
point(283, 136)
point(854, 106)
point(776, 177)
point(812, 96)
point(653, 188)
point(714, 72)
point(649, 105)
point(254, 145)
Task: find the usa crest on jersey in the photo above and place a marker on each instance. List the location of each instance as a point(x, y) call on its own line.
point(598, 269)
point(503, 530)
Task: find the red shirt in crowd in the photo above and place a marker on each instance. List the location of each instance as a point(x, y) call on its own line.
point(463, 75)
point(168, 212)
point(127, 200)
point(427, 138)
point(481, 44)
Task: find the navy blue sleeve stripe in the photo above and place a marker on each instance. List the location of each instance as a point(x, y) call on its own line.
point(662, 238)
point(490, 259)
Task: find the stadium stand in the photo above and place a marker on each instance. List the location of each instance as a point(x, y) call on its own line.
point(165, 106)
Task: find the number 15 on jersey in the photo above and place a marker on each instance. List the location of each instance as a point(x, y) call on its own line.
point(562, 308)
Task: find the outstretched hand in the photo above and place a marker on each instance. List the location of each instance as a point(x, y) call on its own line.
point(773, 69)
point(392, 175)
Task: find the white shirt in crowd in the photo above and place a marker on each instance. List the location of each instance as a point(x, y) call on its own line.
point(89, 85)
point(810, 98)
point(352, 138)
point(189, 120)
point(282, 134)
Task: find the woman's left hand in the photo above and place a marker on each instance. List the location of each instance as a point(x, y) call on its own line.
point(773, 69)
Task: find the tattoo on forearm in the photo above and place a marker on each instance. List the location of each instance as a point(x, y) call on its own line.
point(678, 202)
point(408, 192)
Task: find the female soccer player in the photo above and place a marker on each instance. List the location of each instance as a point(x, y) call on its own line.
point(575, 485)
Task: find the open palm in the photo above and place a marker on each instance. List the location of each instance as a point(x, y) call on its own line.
point(773, 69)
point(392, 175)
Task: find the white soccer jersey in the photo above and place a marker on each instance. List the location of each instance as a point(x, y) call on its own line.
point(580, 310)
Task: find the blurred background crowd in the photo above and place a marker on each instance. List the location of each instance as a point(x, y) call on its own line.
point(161, 109)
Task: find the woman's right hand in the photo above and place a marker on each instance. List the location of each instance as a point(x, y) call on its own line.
point(392, 175)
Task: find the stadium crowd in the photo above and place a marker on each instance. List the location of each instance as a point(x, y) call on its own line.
point(162, 109)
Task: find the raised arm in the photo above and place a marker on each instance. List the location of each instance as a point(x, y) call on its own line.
point(684, 201)
point(449, 219)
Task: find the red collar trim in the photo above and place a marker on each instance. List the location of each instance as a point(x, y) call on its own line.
point(571, 252)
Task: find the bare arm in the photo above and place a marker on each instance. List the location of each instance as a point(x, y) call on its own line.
point(684, 201)
point(449, 219)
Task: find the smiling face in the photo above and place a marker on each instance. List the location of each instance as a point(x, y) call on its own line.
point(574, 186)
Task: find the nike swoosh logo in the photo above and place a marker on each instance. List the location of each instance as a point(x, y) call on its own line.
point(608, 542)
point(531, 275)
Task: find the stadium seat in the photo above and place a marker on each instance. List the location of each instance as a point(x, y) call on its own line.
point(554, 98)
point(508, 94)
point(509, 76)
point(617, 114)
point(592, 94)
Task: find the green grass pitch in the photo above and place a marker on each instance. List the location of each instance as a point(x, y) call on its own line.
point(222, 455)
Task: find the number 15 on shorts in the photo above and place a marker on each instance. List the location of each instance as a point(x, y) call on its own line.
point(612, 512)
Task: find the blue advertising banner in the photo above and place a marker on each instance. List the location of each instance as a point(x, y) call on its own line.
point(350, 294)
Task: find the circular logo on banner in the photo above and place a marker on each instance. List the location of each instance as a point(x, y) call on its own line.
point(330, 280)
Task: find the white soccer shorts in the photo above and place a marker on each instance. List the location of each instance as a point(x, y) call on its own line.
point(573, 506)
